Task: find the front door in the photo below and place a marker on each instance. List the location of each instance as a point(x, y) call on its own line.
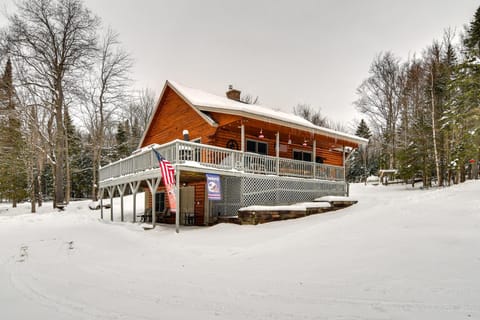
point(187, 205)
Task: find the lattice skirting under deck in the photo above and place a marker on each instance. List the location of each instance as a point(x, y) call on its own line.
point(245, 191)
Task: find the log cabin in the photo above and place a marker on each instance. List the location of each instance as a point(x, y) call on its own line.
point(258, 156)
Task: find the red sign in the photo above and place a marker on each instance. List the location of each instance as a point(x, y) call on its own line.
point(471, 160)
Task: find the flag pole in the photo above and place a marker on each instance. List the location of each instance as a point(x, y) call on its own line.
point(177, 200)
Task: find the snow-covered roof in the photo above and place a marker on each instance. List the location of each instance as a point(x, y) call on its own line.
point(205, 101)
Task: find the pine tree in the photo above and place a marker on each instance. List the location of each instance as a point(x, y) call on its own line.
point(358, 163)
point(363, 130)
point(12, 166)
point(472, 40)
point(122, 143)
point(462, 115)
point(80, 168)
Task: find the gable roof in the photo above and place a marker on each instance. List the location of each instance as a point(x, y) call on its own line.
point(204, 101)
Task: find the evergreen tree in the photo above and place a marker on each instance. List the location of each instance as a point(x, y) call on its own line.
point(461, 118)
point(472, 40)
point(80, 163)
point(363, 130)
point(358, 163)
point(122, 140)
point(12, 162)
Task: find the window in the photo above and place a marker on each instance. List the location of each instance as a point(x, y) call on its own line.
point(160, 202)
point(257, 147)
point(319, 159)
point(302, 155)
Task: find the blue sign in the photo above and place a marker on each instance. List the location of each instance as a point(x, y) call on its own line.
point(214, 187)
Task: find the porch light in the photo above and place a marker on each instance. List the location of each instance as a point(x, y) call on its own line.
point(304, 143)
point(261, 136)
point(186, 136)
point(289, 139)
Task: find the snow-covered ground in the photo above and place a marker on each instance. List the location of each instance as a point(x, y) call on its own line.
point(400, 253)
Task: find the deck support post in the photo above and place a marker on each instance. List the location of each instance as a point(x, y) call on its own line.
point(277, 152)
point(121, 191)
point(100, 192)
point(314, 158)
point(153, 186)
point(177, 200)
point(345, 171)
point(242, 145)
point(134, 188)
point(111, 191)
point(242, 138)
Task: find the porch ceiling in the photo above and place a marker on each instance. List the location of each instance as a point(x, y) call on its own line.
point(191, 176)
point(269, 130)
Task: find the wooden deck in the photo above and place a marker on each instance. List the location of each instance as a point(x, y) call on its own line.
point(204, 158)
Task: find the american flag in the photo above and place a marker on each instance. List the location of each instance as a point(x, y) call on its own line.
point(168, 171)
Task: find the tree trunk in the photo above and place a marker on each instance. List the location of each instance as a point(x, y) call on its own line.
point(59, 146)
point(95, 162)
point(31, 170)
point(434, 134)
point(68, 186)
point(39, 189)
point(462, 172)
point(32, 182)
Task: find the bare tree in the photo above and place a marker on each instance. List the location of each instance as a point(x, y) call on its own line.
point(314, 116)
point(249, 99)
point(140, 108)
point(54, 39)
point(380, 99)
point(106, 93)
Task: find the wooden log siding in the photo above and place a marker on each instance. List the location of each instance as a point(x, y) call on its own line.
point(172, 117)
point(223, 135)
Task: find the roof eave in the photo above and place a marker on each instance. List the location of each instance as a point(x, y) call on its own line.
point(313, 129)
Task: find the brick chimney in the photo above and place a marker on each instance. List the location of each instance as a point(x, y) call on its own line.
point(233, 94)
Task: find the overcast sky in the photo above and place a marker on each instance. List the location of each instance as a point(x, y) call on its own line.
point(285, 52)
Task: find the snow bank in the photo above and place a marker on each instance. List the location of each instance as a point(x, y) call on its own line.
point(274, 208)
point(302, 206)
point(334, 198)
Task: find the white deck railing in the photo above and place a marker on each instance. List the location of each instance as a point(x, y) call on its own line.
point(195, 154)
